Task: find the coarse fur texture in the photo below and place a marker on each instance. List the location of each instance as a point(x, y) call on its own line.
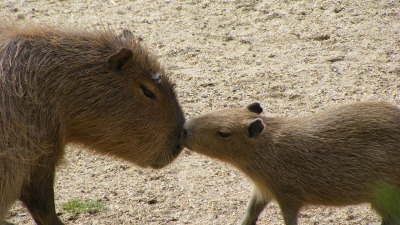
point(346, 155)
point(95, 88)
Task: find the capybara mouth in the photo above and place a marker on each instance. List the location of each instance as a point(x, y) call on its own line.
point(156, 166)
point(159, 165)
point(185, 144)
point(177, 150)
point(185, 137)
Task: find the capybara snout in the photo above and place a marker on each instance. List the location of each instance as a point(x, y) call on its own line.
point(95, 88)
point(172, 151)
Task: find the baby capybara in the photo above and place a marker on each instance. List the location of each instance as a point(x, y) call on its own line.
point(346, 155)
point(96, 88)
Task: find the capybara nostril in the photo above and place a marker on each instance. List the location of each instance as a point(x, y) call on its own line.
point(185, 132)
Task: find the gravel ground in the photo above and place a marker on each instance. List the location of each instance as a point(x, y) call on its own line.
point(296, 57)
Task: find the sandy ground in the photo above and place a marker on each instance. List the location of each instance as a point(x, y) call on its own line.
point(296, 57)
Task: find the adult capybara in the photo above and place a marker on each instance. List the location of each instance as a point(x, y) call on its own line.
point(96, 88)
point(346, 155)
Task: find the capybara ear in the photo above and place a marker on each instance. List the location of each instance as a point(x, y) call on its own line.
point(255, 128)
point(255, 108)
point(117, 61)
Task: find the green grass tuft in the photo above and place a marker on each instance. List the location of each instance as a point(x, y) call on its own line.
point(89, 206)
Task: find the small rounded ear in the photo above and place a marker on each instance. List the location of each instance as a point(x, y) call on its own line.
point(117, 61)
point(255, 108)
point(255, 128)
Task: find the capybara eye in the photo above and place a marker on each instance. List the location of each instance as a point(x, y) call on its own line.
point(224, 134)
point(147, 92)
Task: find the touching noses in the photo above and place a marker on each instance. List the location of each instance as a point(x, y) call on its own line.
point(185, 132)
point(186, 136)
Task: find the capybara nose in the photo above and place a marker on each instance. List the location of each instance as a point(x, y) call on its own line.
point(185, 132)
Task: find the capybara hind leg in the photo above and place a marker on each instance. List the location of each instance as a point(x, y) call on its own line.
point(38, 197)
point(255, 206)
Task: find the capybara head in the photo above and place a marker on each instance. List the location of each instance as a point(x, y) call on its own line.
point(218, 133)
point(108, 91)
point(128, 106)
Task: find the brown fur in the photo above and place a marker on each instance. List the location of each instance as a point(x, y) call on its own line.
point(96, 88)
point(346, 155)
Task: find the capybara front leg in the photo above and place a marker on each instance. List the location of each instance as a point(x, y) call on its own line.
point(38, 197)
point(255, 206)
point(289, 212)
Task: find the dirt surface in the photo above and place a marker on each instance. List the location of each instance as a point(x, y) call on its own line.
point(295, 57)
